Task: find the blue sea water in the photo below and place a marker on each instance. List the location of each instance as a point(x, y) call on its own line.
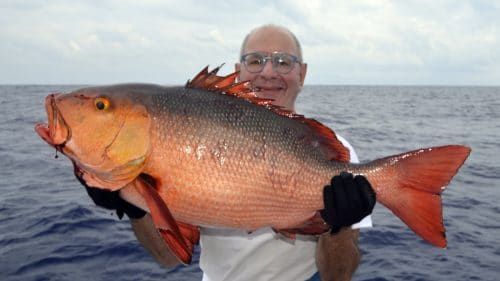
point(51, 230)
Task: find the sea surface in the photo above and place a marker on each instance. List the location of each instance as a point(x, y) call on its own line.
point(51, 230)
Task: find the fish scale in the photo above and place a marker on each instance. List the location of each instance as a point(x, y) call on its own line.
point(272, 177)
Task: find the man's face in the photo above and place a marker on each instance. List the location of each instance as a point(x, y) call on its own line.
point(283, 88)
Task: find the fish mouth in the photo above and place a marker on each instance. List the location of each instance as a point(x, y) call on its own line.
point(56, 132)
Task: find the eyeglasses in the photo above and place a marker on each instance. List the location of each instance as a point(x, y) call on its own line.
point(283, 63)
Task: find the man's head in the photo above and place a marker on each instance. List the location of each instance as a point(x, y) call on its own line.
point(281, 83)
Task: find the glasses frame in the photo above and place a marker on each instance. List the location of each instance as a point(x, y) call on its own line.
point(274, 58)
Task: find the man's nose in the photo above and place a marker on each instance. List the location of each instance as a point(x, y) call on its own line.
point(268, 70)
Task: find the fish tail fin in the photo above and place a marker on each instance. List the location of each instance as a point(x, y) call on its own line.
point(417, 179)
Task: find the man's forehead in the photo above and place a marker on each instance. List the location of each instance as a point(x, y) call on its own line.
point(270, 40)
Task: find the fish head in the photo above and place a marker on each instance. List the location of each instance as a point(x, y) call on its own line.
point(103, 130)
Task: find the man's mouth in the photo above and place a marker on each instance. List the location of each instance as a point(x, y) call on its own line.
point(268, 89)
point(269, 92)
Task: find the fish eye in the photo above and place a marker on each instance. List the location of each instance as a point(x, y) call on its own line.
point(101, 103)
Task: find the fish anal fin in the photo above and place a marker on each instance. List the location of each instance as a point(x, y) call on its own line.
point(313, 226)
point(285, 232)
point(179, 237)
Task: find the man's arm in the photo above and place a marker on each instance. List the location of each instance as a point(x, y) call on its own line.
point(337, 255)
point(347, 200)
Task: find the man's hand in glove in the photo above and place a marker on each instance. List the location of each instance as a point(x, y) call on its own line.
point(347, 201)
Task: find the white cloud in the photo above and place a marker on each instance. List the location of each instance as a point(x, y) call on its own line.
point(362, 42)
point(374, 41)
point(74, 46)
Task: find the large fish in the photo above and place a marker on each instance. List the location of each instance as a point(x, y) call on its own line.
point(213, 154)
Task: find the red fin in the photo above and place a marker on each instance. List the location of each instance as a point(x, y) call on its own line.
point(191, 236)
point(325, 138)
point(224, 84)
point(172, 232)
point(287, 233)
point(313, 226)
point(331, 147)
point(198, 80)
point(417, 180)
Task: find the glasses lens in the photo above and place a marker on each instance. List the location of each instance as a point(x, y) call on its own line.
point(283, 63)
point(254, 62)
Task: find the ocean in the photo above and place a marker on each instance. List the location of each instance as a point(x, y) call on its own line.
point(51, 230)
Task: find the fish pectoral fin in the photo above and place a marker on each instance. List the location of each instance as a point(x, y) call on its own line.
point(191, 237)
point(180, 237)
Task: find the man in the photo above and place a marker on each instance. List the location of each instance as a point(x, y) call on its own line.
point(271, 59)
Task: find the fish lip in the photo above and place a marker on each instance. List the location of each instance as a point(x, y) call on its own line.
point(55, 132)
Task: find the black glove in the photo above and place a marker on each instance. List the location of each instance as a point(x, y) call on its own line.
point(111, 200)
point(347, 201)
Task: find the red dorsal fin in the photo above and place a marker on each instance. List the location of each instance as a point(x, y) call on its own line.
point(322, 136)
point(197, 80)
point(221, 84)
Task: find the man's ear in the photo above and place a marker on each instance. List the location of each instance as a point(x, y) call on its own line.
point(237, 67)
point(303, 71)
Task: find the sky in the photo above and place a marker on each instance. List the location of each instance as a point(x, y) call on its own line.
point(366, 42)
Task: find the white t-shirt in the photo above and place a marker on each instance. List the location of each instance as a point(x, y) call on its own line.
point(228, 254)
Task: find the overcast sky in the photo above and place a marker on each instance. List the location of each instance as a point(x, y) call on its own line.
point(419, 42)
